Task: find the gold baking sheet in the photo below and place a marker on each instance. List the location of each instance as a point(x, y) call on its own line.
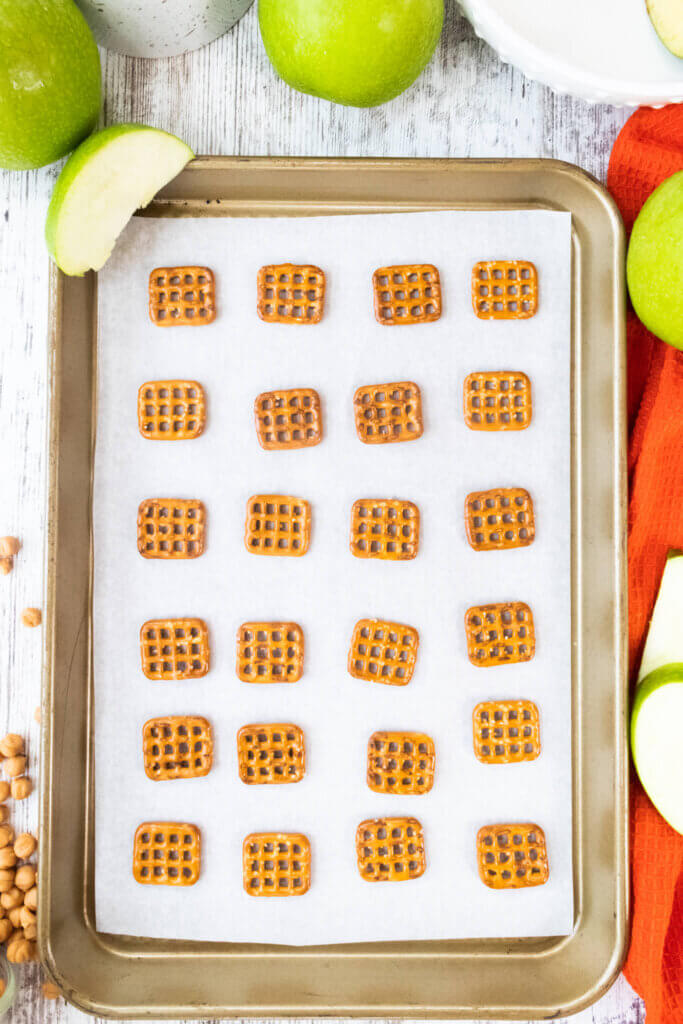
point(485, 978)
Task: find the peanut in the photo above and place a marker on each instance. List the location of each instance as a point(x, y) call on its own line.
point(12, 745)
point(14, 916)
point(50, 990)
point(6, 880)
point(5, 929)
point(4, 791)
point(9, 546)
point(31, 932)
point(26, 917)
point(25, 877)
point(25, 845)
point(8, 857)
point(31, 898)
point(31, 617)
point(14, 766)
point(21, 788)
point(14, 897)
point(19, 951)
point(6, 566)
point(36, 715)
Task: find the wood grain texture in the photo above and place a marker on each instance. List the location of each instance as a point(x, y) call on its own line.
point(227, 99)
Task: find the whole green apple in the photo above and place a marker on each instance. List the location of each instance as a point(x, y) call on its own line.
point(357, 52)
point(654, 267)
point(49, 81)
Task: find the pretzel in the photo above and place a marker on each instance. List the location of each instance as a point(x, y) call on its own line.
point(500, 634)
point(276, 864)
point(506, 731)
point(407, 294)
point(385, 528)
point(270, 652)
point(499, 400)
point(383, 652)
point(388, 412)
point(171, 410)
point(174, 648)
point(177, 747)
point(512, 856)
point(290, 293)
point(171, 528)
point(166, 853)
point(271, 754)
point(182, 297)
point(277, 524)
point(390, 849)
point(288, 419)
point(400, 762)
point(499, 519)
point(504, 289)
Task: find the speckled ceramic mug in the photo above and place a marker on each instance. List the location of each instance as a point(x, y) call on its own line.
point(160, 28)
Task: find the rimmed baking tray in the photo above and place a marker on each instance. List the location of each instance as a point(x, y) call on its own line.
point(516, 978)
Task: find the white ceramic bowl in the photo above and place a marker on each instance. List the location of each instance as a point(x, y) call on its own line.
point(605, 51)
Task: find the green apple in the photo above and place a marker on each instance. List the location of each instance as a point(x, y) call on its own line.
point(357, 52)
point(49, 81)
point(654, 266)
point(111, 175)
point(667, 18)
point(657, 714)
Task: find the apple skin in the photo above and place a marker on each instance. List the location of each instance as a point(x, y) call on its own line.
point(655, 740)
point(355, 52)
point(654, 266)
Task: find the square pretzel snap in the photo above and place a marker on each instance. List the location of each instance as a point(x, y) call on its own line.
point(407, 294)
point(512, 856)
point(182, 296)
point(383, 652)
point(497, 400)
point(388, 412)
point(390, 849)
point(500, 519)
point(270, 652)
point(506, 731)
point(166, 853)
point(385, 528)
point(177, 747)
point(500, 634)
point(171, 528)
point(171, 410)
point(288, 419)
point(400, 762)
point(175, 648)
point(290, 293)
point(276, 864)
point(277, 524)
point(271, 754)
point(504, 289)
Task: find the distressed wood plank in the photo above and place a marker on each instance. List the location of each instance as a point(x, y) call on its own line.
point(227, 99)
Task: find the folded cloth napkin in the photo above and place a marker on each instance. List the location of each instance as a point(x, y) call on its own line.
point(649, 149)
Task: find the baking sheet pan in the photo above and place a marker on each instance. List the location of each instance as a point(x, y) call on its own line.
point(533, 977)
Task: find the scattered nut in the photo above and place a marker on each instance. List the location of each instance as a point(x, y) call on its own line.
point(4, 814)
point(9, 546)
point(14, 766)
point(5, 929)
point(26, 917)
point(12, 898)
point(12, 745)
point(20, 951)
point(32, 616)
point(8, 857)
point(6, 566)
point(36, 716)
point(21, 788)
point(31, 898)
point(25, 845)
point(6, 880)
point(25, 877)
point(14, 916)
point(31, 932)
point(50, 990)
point(6, 835)
point(4, 791)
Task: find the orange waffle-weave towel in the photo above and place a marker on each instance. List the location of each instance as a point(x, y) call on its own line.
point(649, 149)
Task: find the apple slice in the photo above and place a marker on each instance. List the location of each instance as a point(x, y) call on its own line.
point(657, 715)
point(111, 175)
point(667, 18)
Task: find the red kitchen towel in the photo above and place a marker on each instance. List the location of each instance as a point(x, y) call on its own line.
point(649, 149)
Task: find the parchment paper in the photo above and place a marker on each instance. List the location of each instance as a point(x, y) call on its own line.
point(328, 589)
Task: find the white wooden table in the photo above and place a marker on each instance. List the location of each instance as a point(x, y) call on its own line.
point(225, 99)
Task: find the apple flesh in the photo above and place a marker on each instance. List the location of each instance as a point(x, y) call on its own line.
point(356, 52)
point(657, 714)
point(654, 266)
point(667, 19)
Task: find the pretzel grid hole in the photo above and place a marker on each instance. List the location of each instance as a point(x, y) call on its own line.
point(501, 634)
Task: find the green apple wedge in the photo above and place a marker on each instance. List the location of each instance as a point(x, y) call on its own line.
point(657, 714)
point(111, 175)
point(667, 19)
